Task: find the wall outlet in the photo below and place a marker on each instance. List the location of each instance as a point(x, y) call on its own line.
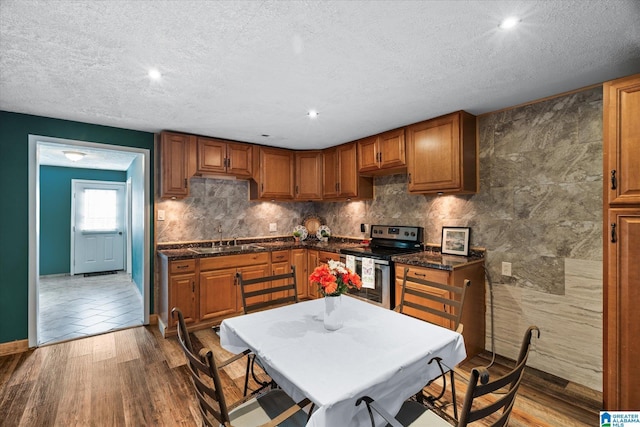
point(160, 214)
point(273, 226)
point(506, 269)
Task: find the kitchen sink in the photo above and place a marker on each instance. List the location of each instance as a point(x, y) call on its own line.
point(225, 249)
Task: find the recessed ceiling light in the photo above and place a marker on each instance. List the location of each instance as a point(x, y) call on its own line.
point(509, 23)
point(154, 74)
point(312, 114)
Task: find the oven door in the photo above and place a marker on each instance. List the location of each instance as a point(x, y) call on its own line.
point(381, 294)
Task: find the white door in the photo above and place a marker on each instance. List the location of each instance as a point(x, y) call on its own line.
point(97, 226)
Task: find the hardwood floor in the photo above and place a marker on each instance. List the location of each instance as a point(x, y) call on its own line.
point(134, 377)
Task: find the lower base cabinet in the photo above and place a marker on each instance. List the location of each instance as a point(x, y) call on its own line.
point(205, 289)
point(473, 312)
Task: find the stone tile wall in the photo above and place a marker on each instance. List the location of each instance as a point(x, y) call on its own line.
point(539, 207)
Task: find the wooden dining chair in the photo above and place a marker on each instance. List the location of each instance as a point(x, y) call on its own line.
point(436, 303)
point(263, 293)
point(488, 401)
point(273, 408)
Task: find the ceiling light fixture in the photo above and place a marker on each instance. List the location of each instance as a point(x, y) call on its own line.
point(74, 156)
point(154, 74)
point(509, 23)
point(312, 114)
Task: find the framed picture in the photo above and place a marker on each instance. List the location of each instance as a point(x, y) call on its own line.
point(455, 240)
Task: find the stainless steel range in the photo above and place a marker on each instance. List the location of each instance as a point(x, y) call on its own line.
point(386, 241)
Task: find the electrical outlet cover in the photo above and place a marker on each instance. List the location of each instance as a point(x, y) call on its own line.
point(273, 226)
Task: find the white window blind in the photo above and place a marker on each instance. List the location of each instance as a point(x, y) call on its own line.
point(100, 210)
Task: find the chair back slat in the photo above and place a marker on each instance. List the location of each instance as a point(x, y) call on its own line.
point(434, 302)
point(205, 377)
point(271, 294)
point(503, 405)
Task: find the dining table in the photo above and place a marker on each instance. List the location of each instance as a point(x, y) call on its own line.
point(377, 352)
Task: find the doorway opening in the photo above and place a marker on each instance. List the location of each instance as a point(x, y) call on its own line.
point(63, 303)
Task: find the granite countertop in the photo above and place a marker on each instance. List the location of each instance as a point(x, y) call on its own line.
point(178, 251)
point(428, 259)
point(437, 260)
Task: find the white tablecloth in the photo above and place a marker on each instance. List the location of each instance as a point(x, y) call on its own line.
point(377, 352)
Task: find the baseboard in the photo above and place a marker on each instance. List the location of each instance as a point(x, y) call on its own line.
point(14, 347)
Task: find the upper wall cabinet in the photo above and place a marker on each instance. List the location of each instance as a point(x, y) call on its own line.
point(273, 177)
point(382, 154)
point(177, 164)
point(308, 175)
point(622, 140)
point(218, 157)
point(442, 155)
point(340, 174)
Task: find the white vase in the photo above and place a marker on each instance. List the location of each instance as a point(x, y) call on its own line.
point(333, 312)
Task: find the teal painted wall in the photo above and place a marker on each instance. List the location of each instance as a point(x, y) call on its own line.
point(15, 129)
point(55, 213)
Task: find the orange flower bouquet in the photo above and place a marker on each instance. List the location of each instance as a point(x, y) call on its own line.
point(334, 279)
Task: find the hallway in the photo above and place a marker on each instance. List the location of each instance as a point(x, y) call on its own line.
point(76, 306)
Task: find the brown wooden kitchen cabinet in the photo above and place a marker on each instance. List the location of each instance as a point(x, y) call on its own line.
point(621, 128)
point(178, 282)
point(205, 289)
point(473, 312)
point(280, 264)
point(308, 175)
point(442, 155)
point(621, 132)
point(219, 157)
point(177, 164)
point(340, 174)
point(382, 154)
point(313, 260)
point(273, 175)
point(299, 260)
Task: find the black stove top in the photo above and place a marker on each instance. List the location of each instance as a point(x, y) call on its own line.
point(387, 241)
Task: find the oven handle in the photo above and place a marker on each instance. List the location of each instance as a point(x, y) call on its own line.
point(343, 258)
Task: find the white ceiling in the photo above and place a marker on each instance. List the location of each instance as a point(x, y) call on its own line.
point(242, 69)
point(52, 154)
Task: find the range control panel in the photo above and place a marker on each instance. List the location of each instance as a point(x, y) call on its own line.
point(409, 233)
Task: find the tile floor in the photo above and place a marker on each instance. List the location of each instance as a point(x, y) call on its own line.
point(76, 306)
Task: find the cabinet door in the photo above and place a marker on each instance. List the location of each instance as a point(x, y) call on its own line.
point(312, 262)
point(212, 154)
point(309, 175)
point(391, 149)
point(329, 173)
point(299, 260)
point(175, 150)
point(434, 154)
point(283, 267)
point(239, 159)
point(434, 276)
point(276, 173)
point(368, 154)
point(217, 293)
point(252, 272)
point(622, 319)
point(622, 140)
point(347, 170)
point(182, 294)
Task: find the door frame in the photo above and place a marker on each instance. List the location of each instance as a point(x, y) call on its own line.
point(126, 241)
point(34, 223)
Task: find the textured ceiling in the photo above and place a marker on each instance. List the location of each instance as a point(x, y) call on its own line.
point(239, 70)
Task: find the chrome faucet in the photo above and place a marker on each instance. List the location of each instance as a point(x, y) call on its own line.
point(220, 231)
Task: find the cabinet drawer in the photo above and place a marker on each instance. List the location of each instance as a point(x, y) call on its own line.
point(326, 256)
point(227, 261)
point(280, 256)
point(183, 266)
point(431, 274)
